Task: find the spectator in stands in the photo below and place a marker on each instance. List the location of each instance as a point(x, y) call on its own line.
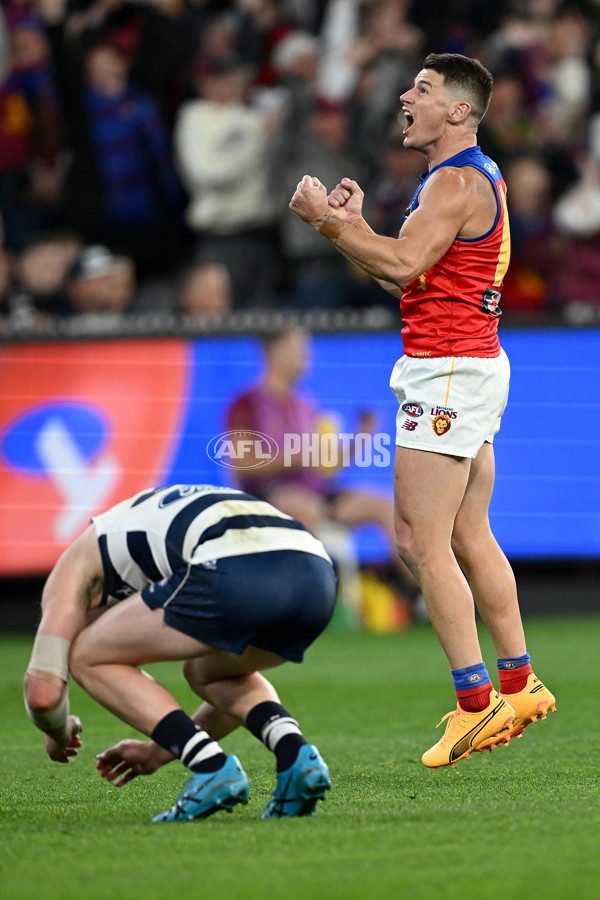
point(29, 134)
point(296, 62)
point(568, 78)
point(536, 247)
point(99, 282)
point(508, 128)
point(139, 184)
point(205, 291)
point(386, 54)
point(533, 110)
point(65, 129)
point(201, 292)
point(339, 31)
point(577, 217)
point(261, 25)
point(161, 39)
point(225, 151)
point(318, 276)
point(37, 292)
point(121, 188)
point(169, 36)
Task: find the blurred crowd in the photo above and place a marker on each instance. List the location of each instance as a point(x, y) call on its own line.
point(149, 148)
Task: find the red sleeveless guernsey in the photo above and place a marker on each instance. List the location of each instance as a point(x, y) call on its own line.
point(453, 308)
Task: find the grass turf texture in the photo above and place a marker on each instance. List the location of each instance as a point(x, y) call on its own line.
point(521, 822)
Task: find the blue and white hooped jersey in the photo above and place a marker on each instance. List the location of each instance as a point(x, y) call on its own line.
point(147, 538)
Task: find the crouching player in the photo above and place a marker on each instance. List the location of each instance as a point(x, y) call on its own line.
point(208, 575)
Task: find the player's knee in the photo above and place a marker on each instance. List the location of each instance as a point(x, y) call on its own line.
point(468, 543)
point(187, 672)
point(79, 662)
point(460, 548)
point(406, 547)
point(194, 675)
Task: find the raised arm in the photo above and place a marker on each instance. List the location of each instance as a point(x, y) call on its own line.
point(445, 207)
point(348, 198)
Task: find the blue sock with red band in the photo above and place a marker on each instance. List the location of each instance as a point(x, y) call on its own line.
point(513, 672)
point(473, 687)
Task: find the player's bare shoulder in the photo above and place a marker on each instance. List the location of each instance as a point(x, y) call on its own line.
point(471, 193)
point(460, 184)
point(450, 193)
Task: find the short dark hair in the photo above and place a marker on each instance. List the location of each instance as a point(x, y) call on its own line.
point(466, 74)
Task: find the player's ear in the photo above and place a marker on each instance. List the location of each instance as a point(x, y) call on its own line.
point(459, 112)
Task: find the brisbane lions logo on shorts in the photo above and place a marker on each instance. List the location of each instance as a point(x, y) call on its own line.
point(441, 424)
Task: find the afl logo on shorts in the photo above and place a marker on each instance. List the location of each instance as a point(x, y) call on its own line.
point(414, 410)
point(441, 424)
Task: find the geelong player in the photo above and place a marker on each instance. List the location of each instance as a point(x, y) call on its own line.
point(208, 575)
point(447, 267)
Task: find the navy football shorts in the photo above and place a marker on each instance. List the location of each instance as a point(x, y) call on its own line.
point(280, 601)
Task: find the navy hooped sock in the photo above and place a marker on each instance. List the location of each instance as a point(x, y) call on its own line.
point(473, 686)
point(179, 734)
point(272, 724)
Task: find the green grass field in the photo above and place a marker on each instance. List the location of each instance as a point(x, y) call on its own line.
point(521, 822)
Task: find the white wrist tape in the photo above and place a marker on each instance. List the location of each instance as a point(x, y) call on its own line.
point(51, 654)
point(54, 719)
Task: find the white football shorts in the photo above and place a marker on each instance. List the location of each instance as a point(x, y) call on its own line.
point(450, 404)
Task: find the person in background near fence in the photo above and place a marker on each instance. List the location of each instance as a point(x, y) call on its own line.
point(100, 283)
point(36, 292)
point(208, 575)
point(205, 291)
point(447, 266)
point(310, 493)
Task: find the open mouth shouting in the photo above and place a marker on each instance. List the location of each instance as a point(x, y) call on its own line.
point(409, 121)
